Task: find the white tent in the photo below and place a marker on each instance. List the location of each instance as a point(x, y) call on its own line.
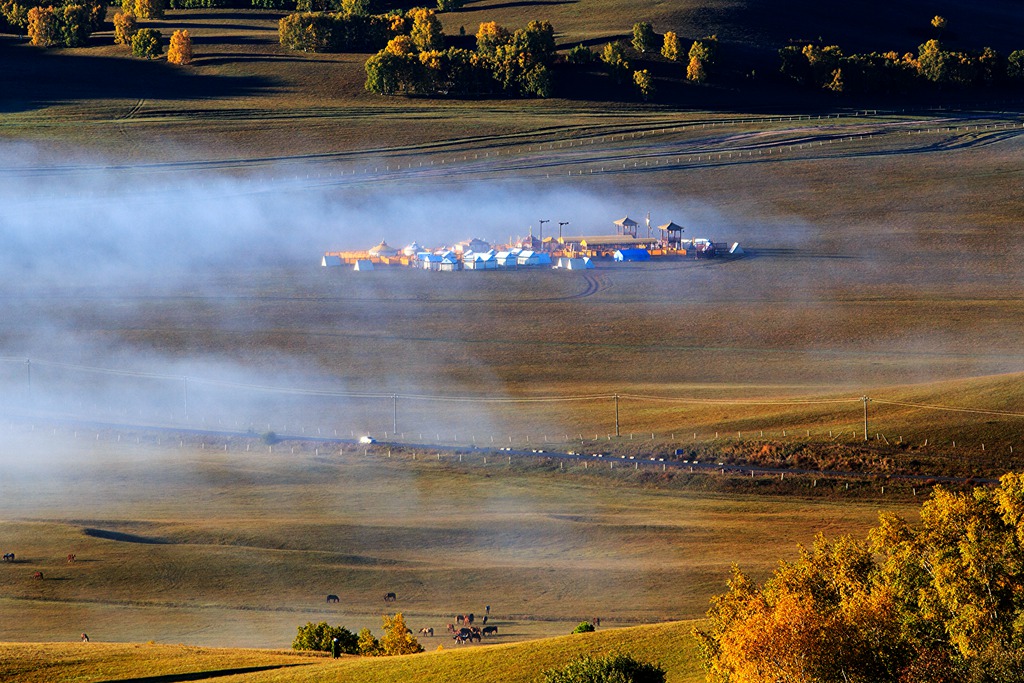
point(505, 259)
point(331, 261)
point(480, 262)
point(449, 263)
point(736, 249)
point(383, 249)
point(574, 263)
point(363, 265)
point(529, 258)
point(412, 249)
point(430, 261)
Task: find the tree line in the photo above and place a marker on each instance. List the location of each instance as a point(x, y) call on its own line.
point(938, 601)
point(70, 23)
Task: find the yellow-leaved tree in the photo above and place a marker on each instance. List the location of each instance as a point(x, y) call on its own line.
point(125, 27)
point(937, 602)
point(179, 51)
point(398, 639)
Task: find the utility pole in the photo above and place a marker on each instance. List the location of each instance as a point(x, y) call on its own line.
point(865, 399)
point(542, 222)
point(616, 414)
point(394, 424)
point(560, 224)
point(184, 384)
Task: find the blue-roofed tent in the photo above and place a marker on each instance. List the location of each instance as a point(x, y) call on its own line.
point(632, 255)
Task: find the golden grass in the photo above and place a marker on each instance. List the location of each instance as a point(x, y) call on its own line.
point(670, 645)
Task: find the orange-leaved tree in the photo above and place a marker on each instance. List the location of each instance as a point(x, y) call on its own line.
point(937, 602)
point(179, 50)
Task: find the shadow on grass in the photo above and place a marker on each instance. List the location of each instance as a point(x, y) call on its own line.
point(201, 675)
point(34, 78)
point(521, 3)
point(123, 537)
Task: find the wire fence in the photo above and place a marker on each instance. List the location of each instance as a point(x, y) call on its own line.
point(44, 387)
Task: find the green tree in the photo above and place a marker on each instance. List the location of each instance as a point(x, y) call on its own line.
point(671, 47)
point(398, 639)
point(1015, 65)
point(614, 57)
point(319, 637)
point(148, 43)
point(644, 83)
point(584, 627)
point(644, 39)
point(613, 668)
point(581, 54)
point(367, 644)
point(450, 5)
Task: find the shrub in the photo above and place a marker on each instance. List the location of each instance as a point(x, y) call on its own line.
point(581, 54)
point(148, 43)
point(644, 39)
point(613, 668)
point(125, 26)
point(584, 627)
point(318, 637)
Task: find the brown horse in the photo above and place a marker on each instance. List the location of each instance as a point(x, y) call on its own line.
point(37, 575)
point(71, 558)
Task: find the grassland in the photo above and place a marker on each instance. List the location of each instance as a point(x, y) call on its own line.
point(668, 644)
point(206, 547)
point(883, 259)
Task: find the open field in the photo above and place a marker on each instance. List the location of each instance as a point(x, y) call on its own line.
point(668, 644)
point(205, 547)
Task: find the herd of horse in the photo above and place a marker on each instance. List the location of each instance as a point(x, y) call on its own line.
point(466, 633)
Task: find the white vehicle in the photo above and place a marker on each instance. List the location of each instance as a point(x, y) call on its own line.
point(367, 439)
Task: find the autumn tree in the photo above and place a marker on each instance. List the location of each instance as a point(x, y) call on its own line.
point(426, 30)
point(179, 50)
point(939, 23)
point(702, 59)
point(355, 7)
point(148, 43)
point(144, 9)
point(935, 602)
point(490, 36)
point(644, 83)
point(43, 27)
point(450, 5)
point(671, 47)
point(644, 39)
point(580, 54)
point(125, 26)
point(614, 57)
point(398, 639)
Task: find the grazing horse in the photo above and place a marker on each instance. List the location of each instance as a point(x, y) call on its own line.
point(469, 618)
point(490, 630)
point(85, 637)
point(460, 638)
point(37, 575)
point(390, 597)
point(427, 631)
point(8, 557)
point(333, 598)
point(71, 558)
point(475, 635)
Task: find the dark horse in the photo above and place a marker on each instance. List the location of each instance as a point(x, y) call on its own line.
point(390, 597)
point(489, 630)
point(333, 598)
